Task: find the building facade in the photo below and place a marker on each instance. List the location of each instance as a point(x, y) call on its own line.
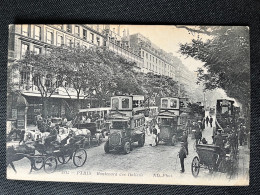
point(154, 58)
point(40, 39)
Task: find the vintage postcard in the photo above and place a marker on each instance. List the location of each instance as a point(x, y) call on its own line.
point(137, 104)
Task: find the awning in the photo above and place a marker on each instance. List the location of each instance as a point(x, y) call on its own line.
point(53, 96)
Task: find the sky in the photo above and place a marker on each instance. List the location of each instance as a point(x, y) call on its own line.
point(168, 38)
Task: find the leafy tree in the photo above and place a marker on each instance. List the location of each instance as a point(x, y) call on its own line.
point(155, 86)
point(226, 60)
point(46, 72)
point(115, 74)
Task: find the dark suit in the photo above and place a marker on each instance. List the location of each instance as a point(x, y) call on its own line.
point(182, 156)
point(185, 140)
point(211, 121)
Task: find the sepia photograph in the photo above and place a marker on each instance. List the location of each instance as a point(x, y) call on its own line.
point(134, 104)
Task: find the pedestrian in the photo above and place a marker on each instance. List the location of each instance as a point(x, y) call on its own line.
point(219, 140)
point(182, 156)
point(200, 124)
point(198, 134)
point(154, 136)
point(232, 141)
point(207, 121)
point(184, 139)
point(210, 121)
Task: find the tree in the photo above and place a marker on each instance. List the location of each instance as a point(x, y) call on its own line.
point(46, 72)
point(115, 74)
point(226, 60)
point(155, 86)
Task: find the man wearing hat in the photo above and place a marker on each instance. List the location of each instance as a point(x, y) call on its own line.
point(219, 140)
point(185, 140)
point(210, 121)
point(154, 136)
point(182, 156)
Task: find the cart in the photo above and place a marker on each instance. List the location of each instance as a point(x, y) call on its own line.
point(50, 155)
point(214, 158)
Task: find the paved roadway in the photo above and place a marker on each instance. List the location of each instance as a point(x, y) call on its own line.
point(160, 159)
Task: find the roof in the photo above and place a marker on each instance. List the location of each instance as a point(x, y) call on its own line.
point(167, 113)
point(94, 109)
point(135, 97)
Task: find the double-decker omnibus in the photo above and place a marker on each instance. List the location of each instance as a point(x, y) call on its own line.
point(94, 119)
point(169, 120)
point(225, 114)
point(127, 123)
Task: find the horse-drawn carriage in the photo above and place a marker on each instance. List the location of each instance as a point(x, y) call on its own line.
point(42, 154)
point(94, 135)
point(214, 158)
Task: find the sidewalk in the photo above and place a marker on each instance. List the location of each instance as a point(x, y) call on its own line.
point(244, 161)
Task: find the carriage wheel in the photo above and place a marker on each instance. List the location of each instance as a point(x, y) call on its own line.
point(106, 147)
point(127, 147)
point(223, 166)
point(50, 164)
point(79, 157)
point(157, 140)
point(195, 166)
point(38, 163)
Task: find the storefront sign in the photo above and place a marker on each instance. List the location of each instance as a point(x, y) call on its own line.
point(37, 110)
point(14, 113)
point(20, 123)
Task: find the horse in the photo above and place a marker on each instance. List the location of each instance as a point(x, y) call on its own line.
point(18, 152)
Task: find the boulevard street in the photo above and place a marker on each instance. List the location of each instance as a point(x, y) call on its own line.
point(160, 161)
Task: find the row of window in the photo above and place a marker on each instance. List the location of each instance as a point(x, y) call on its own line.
point(151, 58)
point(60, 38)
point(156, 61)
point(25, 47)
point(25, 78)
point(157, 69)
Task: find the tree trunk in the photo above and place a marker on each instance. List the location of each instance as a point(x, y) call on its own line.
point(45, 107)
point(78, 106)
